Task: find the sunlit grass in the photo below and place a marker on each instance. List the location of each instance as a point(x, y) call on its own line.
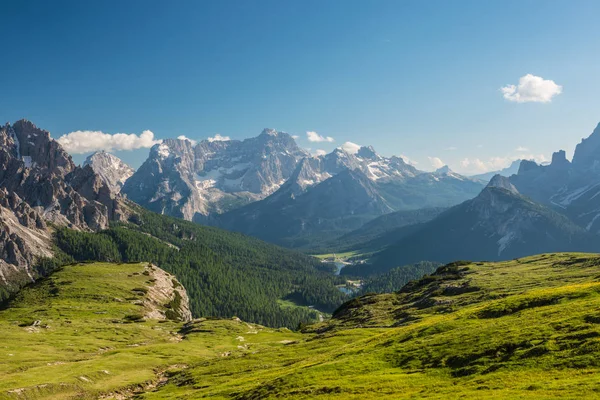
point(524, 329)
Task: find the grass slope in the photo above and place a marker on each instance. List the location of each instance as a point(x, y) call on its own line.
point(521, 329)
point(226, 274)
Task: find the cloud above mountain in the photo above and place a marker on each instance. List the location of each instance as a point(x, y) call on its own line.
point(219, 138)
point(408, 160)
point(80, 142)
point(436, 162)
point(350, 147)
point(533, 89)
point(183, 137)
point(315, 137)
point(478, 166)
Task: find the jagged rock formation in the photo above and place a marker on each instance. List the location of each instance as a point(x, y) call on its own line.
point(111, 169)
point(573, 188)
point(188, 181)
point(40, 184)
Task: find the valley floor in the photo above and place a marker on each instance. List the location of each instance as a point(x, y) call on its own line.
point(524, 329)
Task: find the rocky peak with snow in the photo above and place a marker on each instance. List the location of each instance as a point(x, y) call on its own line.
point(213, 176)
point(367, 152)
point(443, 170)
point(216, 176)
point(113, 171)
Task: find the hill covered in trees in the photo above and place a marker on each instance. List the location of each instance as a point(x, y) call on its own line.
point(226, 274)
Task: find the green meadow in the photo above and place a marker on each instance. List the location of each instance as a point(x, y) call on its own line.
point(522, 329)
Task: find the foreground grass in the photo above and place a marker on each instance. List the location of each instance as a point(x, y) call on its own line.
point(524, 329)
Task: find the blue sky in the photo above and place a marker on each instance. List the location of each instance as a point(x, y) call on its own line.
point(417, 78)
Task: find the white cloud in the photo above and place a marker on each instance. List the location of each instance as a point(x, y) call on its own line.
point(320, 152)
point(521, 149)
point(350, 147)
point(531, 88)
point(478, 166)
point(80, 142)
point(451, 148)
point(183, 137)
point(219, 138)
point(436, 162)
point(408, 160)
point(315, 137)
point(295, 137)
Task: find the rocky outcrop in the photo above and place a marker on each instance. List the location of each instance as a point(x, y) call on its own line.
point(166, 297)
point(23, 237)
point(111, 169)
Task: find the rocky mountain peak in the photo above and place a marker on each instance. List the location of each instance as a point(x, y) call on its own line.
point(559, 159)
point(502, 182)
point(270, 132)
point(587, 153)
point(367, 152)
point(443, 170)
point(526, 166)
point(113, 171)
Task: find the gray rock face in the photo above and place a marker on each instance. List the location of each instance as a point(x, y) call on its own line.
point(587, 153)
point(573, 188)
point(39, 183)
point(214, 176)
point(111, 169)
point(42, 174)
point(503, 182)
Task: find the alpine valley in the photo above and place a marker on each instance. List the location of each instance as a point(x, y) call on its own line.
point(169, 282)
point(270, 188)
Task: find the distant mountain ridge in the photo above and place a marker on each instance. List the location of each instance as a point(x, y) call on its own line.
point(498, 224)
point(512, 169)
point(334, 194)
point(573, 188)
point(197, 182)
point(187, 181)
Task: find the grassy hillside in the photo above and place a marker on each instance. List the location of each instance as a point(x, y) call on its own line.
point(226, 274)
point(528, 328)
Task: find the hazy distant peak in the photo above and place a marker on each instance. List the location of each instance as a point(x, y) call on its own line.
point(502, 182)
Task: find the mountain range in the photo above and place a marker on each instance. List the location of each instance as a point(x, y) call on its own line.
point(571, 187)
point(199, 182)
point(54, 213)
